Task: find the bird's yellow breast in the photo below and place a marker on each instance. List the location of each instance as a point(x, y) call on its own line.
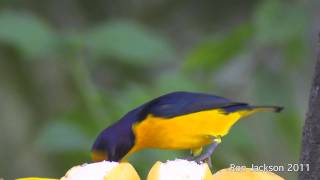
point(182, 132)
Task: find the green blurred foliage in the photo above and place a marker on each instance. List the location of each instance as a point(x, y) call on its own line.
point(129, 42)
point(53, 139)
point(283, 24)
point(278, 21)
point(216, 51)
point(31, 36)
point(66, 79)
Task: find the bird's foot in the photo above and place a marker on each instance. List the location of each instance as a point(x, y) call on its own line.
point(189, 158)
point(206, 160)
point(206, 157)
point(200, 159)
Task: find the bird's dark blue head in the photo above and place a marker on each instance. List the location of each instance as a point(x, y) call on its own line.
point(114, 142)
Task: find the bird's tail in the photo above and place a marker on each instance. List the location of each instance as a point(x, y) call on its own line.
point(254, 109)
point(267, 108)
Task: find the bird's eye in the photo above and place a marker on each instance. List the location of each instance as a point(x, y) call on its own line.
point(97, 156)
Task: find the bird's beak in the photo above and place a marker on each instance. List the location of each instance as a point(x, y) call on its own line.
point(97, 156)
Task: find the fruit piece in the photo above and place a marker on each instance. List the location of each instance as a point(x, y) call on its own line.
point(34, 178)
point(179, 170)
point(103, 170)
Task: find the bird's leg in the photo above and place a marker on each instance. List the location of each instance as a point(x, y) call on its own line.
point(206, 156)
point(208, 161)
point(189, 158)
point(208, 153)
point(194, 153)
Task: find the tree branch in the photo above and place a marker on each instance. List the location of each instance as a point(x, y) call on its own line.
point(310, 153)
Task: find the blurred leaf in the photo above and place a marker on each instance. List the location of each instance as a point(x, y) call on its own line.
point(59, 136)
point(28, 34)
point(133, 96)
point(283, 24)
point(290, 125)
point(240, 136)
point(273, 87)
point(175, 81)
point(128, 42)
point(295, 51)
point(211, 54)
point(277, 22)
point(72, 42)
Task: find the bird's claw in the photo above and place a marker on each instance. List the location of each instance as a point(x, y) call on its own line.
point(206, 157)
point(189, 158)
point(202, 160)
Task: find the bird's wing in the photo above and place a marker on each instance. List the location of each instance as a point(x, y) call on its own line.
point(181, 103)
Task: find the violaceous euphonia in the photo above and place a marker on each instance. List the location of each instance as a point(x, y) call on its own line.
point(178, 120)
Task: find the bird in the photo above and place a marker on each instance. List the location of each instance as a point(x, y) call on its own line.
point(178, 120)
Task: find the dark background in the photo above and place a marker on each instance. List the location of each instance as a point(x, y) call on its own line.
point(70, 68)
